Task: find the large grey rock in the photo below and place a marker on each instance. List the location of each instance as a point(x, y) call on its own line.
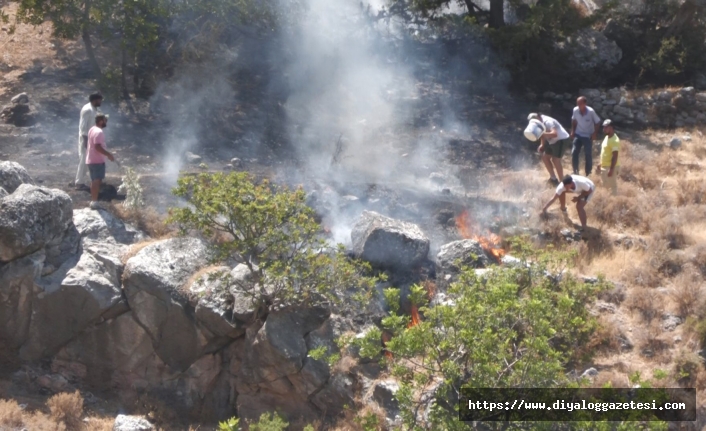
point(275, 371)
point(131, 423)
point(387, 242)
point(20, 99)
point(71, 299)
point(16, 291)
point(101, 226)
point(117, 353)
point(467, 252)
point(214, 309)
point(85, 287)
point(154, 280)
point(384, 393)
point(31, 218)
point(13, 174)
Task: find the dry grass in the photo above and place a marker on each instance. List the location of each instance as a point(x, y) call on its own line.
point(606, 339)
point(146, 219)
point(647, 303)
point(10, 414)
point(67, 408)
point(688, 294)
point(691, 191)
point(697, 258)
point(65, 414)
point(352, 420)
point(687, 365)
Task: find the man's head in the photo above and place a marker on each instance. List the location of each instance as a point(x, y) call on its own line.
point(608, 128)
point(96, 99)
point(534, 116)
point(568, 183)
point(581, 103)
point(102, 120)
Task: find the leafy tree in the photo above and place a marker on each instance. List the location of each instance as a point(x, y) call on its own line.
point(275, 234)
point(494, 15)
point(515, 327)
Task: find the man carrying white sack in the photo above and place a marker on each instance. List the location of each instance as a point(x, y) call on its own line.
point(579, 185)
point(554, 140)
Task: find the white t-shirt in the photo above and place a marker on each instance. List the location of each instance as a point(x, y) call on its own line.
point(585, 124)
point(88, 119)
point(551, 124)
point(583, 184)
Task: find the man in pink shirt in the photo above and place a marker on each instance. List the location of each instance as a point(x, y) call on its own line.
point(95, 157)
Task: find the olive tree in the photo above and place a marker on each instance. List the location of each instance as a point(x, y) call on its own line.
point(271, 230)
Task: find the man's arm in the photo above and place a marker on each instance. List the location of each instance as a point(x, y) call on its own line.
point(105, 152)
point(550, 134)
point(596, 129)
point(550, 203)
point(574, 123)
point(613, 162)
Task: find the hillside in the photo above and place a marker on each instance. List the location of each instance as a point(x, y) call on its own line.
point(403, 130)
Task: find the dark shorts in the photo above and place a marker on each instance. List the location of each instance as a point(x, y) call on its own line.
point(97, 171)
point(558, 148)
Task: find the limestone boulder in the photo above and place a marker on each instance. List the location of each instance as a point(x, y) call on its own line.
point(388, 243)
point(455, 255)
point(17, 288)
point(275, 371)
point(31, 218)
point(215, 304)
point(12, 175)
point(155, 283)
point(117, 353)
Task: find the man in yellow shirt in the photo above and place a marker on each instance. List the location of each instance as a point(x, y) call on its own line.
point(609, 166)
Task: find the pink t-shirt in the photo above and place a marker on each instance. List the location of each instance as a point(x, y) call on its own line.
point(95, 137)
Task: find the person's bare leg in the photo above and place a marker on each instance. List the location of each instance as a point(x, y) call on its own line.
point(95, 189)
point(582, 213)
point(547, 159)
point(559, 168)
point(562, 200)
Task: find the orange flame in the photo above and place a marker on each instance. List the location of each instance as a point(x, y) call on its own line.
point(415, 317)
point(491, 243)
point(385, 338)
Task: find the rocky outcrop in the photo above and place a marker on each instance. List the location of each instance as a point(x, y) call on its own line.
point(162, 323)
point(153, 283)
point(455, 255)
point(31, 218)
point(19, 112)
point(388, 243)
point(131, 423)
point(589, 49)
point(17, 291)
point(276, 372)
point(12, 175)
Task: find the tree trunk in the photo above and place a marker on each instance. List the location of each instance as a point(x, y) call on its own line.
point(685, 15)
point(497, 14)
point(123, 79)
point(86, 36)
point(471, 7)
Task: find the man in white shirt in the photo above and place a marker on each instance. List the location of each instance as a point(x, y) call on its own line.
point(578, 185)
point(553, 144)
point(584, 130)
point(88, 119)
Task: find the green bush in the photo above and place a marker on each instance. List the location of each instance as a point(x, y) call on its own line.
point(269, 422)
point(232, 424)
point(272, 231)
point(515, 327)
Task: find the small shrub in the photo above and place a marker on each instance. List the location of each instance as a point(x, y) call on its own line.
point(687, 364)
point(645, 301)
point(687, 294)
point(67, 408)
point(269, 422)
point(698, 258)
point(132, 189)
point(232, 424)
point(10, 414)
point(692, 191)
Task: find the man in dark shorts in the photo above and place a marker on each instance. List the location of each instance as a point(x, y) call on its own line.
point(95, 157)
point(553, 145)
point(581, 186)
